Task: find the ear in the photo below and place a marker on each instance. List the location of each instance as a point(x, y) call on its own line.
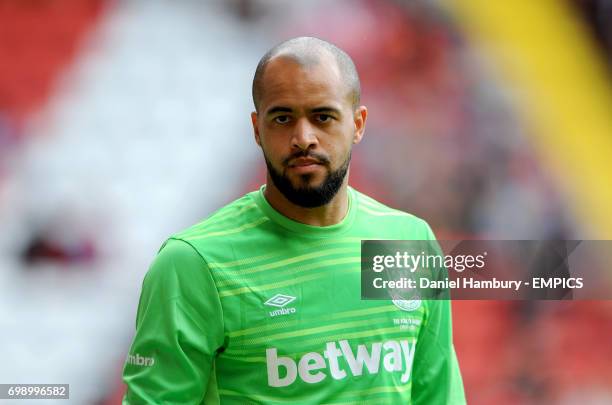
point(359, 117)
point(255, 128)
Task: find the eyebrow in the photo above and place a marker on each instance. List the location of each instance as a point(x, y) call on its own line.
point(278, 109)
point(324, 109)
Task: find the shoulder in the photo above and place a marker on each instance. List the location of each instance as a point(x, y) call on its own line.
point(177, 270)
point(176, 251)
point(376, 212)
point(214, 238)
point(239, 214)
point(176, 256)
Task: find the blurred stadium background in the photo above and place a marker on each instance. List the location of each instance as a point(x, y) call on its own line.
point(124, 121)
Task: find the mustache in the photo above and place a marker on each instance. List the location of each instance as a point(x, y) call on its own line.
point(322, 159)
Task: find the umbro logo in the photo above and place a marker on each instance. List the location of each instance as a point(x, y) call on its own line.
point(280, 301)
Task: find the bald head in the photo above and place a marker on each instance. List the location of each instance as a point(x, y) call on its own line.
point(308, 52)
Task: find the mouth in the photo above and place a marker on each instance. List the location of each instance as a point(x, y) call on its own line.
point(303, 162)
point(304, 165)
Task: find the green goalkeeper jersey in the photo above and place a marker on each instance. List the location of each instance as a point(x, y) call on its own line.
point(250, 307)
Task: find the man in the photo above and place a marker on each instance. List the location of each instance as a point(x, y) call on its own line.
point(260, 303)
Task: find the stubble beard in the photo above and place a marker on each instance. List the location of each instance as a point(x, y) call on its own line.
point(307, 196)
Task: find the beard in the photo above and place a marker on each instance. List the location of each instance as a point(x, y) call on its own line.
point(308, 196)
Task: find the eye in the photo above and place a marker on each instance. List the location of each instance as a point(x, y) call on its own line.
point(282, 119)
point(324, 118)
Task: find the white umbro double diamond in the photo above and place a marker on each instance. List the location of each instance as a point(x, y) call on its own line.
point(279, 300)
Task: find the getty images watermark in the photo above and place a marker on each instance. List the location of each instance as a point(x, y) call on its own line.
point(491, 270)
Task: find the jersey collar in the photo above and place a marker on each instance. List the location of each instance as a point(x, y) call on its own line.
point(305, 229)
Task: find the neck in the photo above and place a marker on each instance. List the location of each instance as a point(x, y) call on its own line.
point(325, 215)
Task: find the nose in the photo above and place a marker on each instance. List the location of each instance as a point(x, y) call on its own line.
point(304, 135)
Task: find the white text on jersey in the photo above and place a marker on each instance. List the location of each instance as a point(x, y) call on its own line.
point(397, 357)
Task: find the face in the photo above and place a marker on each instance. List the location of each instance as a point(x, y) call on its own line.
point(306, 127)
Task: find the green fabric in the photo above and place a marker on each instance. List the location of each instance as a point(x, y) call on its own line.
point(206, 331)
